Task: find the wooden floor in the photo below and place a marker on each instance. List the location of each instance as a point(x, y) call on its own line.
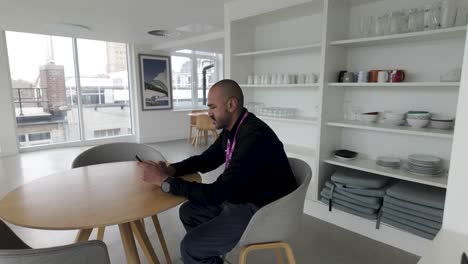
point(318, 241)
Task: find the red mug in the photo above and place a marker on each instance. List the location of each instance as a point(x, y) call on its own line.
point(397, 76)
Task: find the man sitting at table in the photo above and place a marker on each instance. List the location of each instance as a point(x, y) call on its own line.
point(256, 172)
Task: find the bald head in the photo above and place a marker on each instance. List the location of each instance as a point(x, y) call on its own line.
point(227, 89)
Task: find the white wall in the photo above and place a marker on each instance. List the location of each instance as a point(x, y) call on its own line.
point(8, 144)
point(456, 213)
point(156, 125)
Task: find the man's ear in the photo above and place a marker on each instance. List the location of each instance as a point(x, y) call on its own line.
point(232, 104)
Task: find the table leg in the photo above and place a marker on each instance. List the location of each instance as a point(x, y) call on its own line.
point(129, 243)
point(158, 228)
point(83, 235)
point(144, 242)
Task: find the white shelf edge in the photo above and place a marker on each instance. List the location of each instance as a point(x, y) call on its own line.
point(311, 85)
point(401, 84)
point(369, 165)
point(299, 120)
point(280, 50)
point(428, 132)
point(300, 150)
point(422, 35)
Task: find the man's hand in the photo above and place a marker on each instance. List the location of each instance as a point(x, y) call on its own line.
point(155, 173)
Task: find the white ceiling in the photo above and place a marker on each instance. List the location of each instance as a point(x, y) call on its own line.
point(112, 20)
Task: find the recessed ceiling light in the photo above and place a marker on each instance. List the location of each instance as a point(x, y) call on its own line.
point(165, 33)
point(68, 27)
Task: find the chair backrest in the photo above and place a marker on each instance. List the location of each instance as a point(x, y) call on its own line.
point(90, 252)
point(278, 220)
point(204, 122)
point(115, 152)
point(9, 240)
point(193, 118)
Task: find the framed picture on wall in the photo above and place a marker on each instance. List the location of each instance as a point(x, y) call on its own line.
point(156, 82)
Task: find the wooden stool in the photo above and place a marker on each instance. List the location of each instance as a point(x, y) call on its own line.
point(204, 124)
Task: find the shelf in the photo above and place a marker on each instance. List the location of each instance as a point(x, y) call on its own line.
point(300, 150)
point(311, 85)
point(401, 84)
point(297, 120)
point(406, 37)
point(279, 51)
point(427, 132)
point(369, 165)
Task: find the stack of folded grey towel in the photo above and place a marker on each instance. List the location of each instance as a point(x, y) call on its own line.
point(415, 208)
point(356, 192)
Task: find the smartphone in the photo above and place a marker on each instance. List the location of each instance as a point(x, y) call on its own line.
point(138, 158)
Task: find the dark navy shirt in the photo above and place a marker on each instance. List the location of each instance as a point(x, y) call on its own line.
point(259, 171)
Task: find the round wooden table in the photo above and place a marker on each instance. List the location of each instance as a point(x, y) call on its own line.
point(93, 196)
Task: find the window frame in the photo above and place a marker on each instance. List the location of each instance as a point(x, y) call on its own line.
point(194, 56)
point(131, 137)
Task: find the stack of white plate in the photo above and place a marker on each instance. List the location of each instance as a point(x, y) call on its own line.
point(424, 165)
point(389, 162)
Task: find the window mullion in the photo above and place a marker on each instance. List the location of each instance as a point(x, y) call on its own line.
point(78, 90)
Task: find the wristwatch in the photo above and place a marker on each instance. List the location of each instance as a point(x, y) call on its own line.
point(166, 185)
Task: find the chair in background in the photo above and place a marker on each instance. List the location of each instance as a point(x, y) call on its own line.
point(275, 223)
point(14, 250)
point(115, 152)
point(193, 122)
point(204, 124)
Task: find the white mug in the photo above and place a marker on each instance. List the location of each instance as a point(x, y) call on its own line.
point(382, 76)
point(257, 79)
point(250, 79)
point(301, 78)
point(362, 76)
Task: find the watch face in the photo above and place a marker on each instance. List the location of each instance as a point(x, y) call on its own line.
point(166, 187)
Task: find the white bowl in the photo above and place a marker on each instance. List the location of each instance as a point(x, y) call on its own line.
point(441, 117)
point(368, 118)
point(418, 123)
point(442, 124)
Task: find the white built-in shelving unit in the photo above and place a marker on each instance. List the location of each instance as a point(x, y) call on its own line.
point(322, 37)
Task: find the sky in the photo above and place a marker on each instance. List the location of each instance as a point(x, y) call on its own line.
point(28, 51)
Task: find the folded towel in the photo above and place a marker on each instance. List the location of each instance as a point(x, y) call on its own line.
point(359, 178)
point(338, 195)
point(366, 192)
point(349, 210)
point(418, 193)
point(364, 199)
point(429, 230)
point(416, 207)
point(415, 219)
point(407, 228)
point(407, 211)
point(362, 209)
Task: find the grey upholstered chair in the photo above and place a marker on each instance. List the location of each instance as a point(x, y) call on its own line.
point(274, 224)
point(115, 152)
point(90, 252)
point(14, 250)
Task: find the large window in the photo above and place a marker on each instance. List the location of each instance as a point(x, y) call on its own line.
point(67, 89)
point(187, 77)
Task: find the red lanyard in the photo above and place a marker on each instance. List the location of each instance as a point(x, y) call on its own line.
point(230, 147)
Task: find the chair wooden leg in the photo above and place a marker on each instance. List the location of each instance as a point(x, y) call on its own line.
point(100, 233)
point(277, 246)
point(205, 133)
point(158, 228)
point(190, 134)
point(279, 256)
